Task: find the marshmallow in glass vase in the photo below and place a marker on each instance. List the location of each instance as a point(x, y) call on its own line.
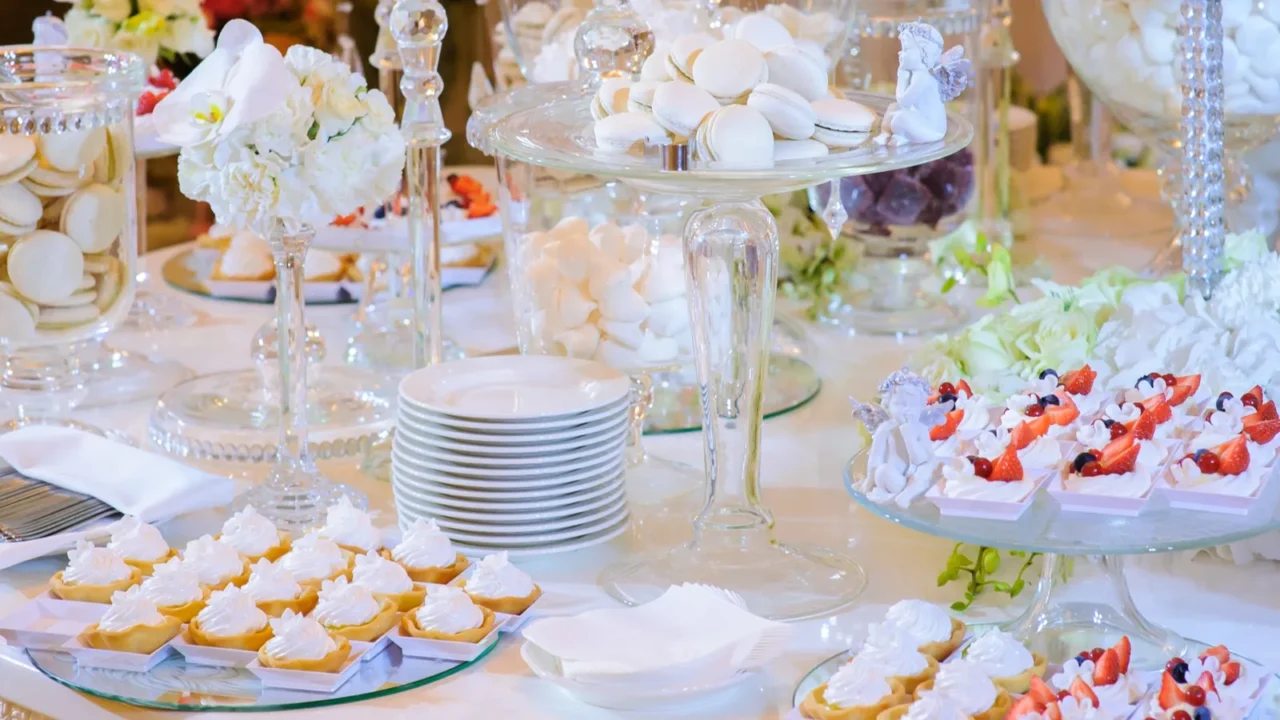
point(427, 554)
point(131, 624)
point(230, 619)
point(139, 544)
point(93, 574)
point(301, 643)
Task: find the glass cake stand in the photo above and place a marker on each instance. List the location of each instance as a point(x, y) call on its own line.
point(1057, 628)
point(731, 253)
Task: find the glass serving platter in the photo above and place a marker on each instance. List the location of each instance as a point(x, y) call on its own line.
point(178, 685)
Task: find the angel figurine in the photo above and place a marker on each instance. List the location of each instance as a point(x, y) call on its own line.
point(927, 79)
point(901, 461)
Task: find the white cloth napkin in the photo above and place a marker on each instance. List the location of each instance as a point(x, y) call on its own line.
point(133, 481)
point(691, 630)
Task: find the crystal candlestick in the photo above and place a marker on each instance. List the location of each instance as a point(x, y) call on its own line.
point(1201, 208)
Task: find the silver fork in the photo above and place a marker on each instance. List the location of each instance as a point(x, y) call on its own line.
point(54, 524)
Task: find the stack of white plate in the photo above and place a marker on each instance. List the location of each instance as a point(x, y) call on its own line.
point(523, 453)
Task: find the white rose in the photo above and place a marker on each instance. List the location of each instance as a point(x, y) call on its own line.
point(982, 351)
point(248, 193)
point(114, 10)
point(188, 35)
point(146, 47)
point(183, 7)
point(163, 8)
point(86, 30)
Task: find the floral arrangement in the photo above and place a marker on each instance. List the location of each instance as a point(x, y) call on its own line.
point(273, 141)
point(815, 268)
point(148, 28)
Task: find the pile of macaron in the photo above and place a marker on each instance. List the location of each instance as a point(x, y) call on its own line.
point(749, 99)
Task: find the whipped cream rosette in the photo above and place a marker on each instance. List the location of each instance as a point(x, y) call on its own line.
point(967, 685)
point(1198, 693)
point(301, 643)
point(1184, 394)
point(1078, 702)
point(1232, 677)
point(275, 590)
point(217, 564)
point(427, 554)
point(132, 623)
point(93, 574)
point(854, 692)
point(1221, 469)
point(387, 580)
point(501, 586)
point(996, 479)
point(254, 536)
point(899, 656)
point(967, 415)
point(1039, 416)
point(175, 589)
point(450, 614)
point(230, 619)
point(1118, 477)
point(314, 559)
point(351, 528)
point(935, 632)
point(928, 705)
point(1258, 417)
point(1006, 660)
point(1106, 672)
point(139, 544)
point(1078, 384)
point(353, 612)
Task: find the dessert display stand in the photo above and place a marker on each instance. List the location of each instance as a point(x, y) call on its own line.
point(731, 265)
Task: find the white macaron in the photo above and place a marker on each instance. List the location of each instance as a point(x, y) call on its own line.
point(45, 266)
point(792, 68)
point(72, 151)
point(611, 98)
point(842, 123)
point(20, 210)
point(790, 116)
point(16, 320)
point(762, 31)
point(729, 69)
point(17, 157)
point(784, 150)
point(640, 96)
point(655, 66)
point(680, 107)
point(735, 136)
point(94, 217)
point(629, 131)
point(683, 53)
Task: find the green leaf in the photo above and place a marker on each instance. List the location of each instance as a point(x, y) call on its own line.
point(999, 586)
point(949, 284)
point(1017, 587)
point(963, 561)
point(959, 606)
point(990, 560)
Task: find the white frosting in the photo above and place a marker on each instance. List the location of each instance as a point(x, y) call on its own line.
point(1147, 388)
point(999, 654)
point(923, 621)
point(1122, 413)
point(136, 540)
point(1043, 453)
point(960, 482)
point(1134, 484)
point(173, 584)
point(1186, 475)
point(129, 609)
point(424, 546)
point(448, 610)
point(91, 565)
point(250, 533)
point(348, 525)
point(380, 575)
point(295, 637)
point(231, 612)
point(321, 264)
point(856, 685)
point(496, 577)
point(269, 581)
point(935, 706)
point(247, 256)
point(1073, 709)
point(342, 604)
point(1243, 687)
point(967, 684)
point(1220, 708)
point(1015, 410)
point(1114, 698)
point(891, 651)
point(1094, 435)
point(213, 561)
point(1220, 429)
point(314, 558)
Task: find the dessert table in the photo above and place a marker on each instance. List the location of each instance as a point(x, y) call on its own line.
point(804, 456)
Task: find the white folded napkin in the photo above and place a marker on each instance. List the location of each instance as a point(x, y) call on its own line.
point(133, 481)
point(692, 630)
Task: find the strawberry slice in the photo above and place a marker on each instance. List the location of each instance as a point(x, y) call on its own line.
point(1256, 392)
point(1220, 652)
point(1144, 428)
point(1268, 411)
point(1261, 431)
point(1065, 412)
point(1123, 463)
point(1124, 650)
point(1118, 446)
point(1007, 467)
point(1107, 669)
point(1157, 405)
point(1231, 671)
point(1233, 459)
point(947, 428)
point(1021, 436)
point(1079, 382)
point(1081, 691)
point(1170, 696)
point(1206, 682)
point(1026, 705)
point(1041, 692)
point(1183, 388)
point(962, 386)
point(1053, 712)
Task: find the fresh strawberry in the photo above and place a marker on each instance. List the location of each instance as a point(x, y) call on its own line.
point(1107, 669)
point(1079, 382)
point(1038, 426)
point(1170, 694)
point(1123, 463)
point(1144, 428)
point(1124, 650)
point(1053, 712)
point(963, 387)
point(1065, 412)
point(1231, 671)
point(1261, 431)
point(1117, 447)
point(1183, 388)
point(1041, 691)
point(147, 102)
point(1206, 682)
point(1021, 436)
point(164, 79)
point(1220, 652)
point(1157, 405)
point(1256, 392)
point(1081, 691)
point(1268, 411)
point(947, 428)
point(1007, 467)
point(1026, 705)
point(1233, 459)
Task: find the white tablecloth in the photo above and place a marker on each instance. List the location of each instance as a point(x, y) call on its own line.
point(804, 456)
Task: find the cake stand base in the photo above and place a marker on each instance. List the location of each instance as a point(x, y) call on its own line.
point(153, 311)
point(388, 348)
point(296, 497)
point(114, 376)
point(677, 404)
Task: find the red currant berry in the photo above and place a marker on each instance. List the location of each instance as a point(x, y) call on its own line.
point(1249, 401)
point(1064, 695)
point(1092, 469)
point(1195, 695)
point(1174, 662)
point(1095, 654)
point(946, 389)
point(1180, 715)
point(982, 468)
point(1169, 380)
point(1117, 430)
point(1035, 410)
point(1209, 463)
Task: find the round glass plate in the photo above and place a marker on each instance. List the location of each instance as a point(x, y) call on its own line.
point(677, 403)
point(187, 270)
point(1045, 528)
point(176, 684)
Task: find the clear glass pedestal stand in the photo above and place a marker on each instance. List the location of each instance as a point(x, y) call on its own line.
point(153, 311)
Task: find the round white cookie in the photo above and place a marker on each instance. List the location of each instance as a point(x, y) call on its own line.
point(20, 210)
point(16, 321)
point(45, 266)
point(54, 317)
point(75, 299)
point(94, 217)
point(17, 157)
point(72, 151)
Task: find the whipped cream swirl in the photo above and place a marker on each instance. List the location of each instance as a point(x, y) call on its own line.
point(129, 609)
point(348, 525)
point(424, 546)
point(313, 558)
point(269, 582)
point(935, 706)
point(1122, 413)
point(343, 604)
point(380, 575)
point(250, 533)
point(960, 482)
point(496, 577)
point(1220, 429)
point(173, 584)
point(999, 654)
point(136, 540)
point(1094, 435)
point(891, 651)
point(89, 565)
point(213, 561)
point(856, 685)
point(231, 612)
point(296, 637)
point(922, 621)
point(967, 684)
point(448, 610)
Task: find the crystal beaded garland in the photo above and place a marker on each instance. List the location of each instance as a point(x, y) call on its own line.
point(1203, 197)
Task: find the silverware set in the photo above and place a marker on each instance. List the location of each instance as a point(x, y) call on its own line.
point(31, 509)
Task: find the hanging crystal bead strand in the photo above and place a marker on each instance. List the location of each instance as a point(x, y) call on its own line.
point(1203, 200)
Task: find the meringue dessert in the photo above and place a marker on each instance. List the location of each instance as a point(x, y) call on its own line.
point(928, 706)
point(139, 544)
point(351, 528)
point(246, 257)
point(891, 652)
point(937, 633)
point(968, 686)
point(301, 643)
point(231, 620)
point(501, 586)
point(427, 554)
point(314, 559)
point(217, 564)
point(131, 624)
point(387, 580)
point(175, 589)
point(93, 574)
point(1006, 661)
point(275, 591)
point(353, 612)
point(855, 692)
point(254, 536)
point(448, 613)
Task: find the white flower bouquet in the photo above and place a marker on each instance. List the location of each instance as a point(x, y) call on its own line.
point(148, 28)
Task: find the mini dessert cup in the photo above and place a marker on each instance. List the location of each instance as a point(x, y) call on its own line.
point(273, 553)
point(405, 601)
point(1077, 501)
point(210, 655)
point(374, 628)
point(909, 683)
point(331, 663)
point(459, 647)
point(998, 710)
point(944, 649)
point(92, 593)
point(983, 508)
point(512, 623)
point(505, 605)
point(317, 681)
point(1209, 499)
point(1019, 684)
point(815, 707)
point(46, 622)
point(91, 657)
point(409, 626)
point(433, 575)
point(343, 573)
point(185, 612)
point(303, 604)
point(148, 566)
point(236, 580)
point(139, 639)
point(196, 635)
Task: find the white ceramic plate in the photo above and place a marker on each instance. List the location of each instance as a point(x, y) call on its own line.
point(598, 498)
point(429, 441)
point(497, 524)
point(482, 438)
point(502, 491)
point(498, 427)
point(573, 544)
point(514, 387)
point(412, 447)
point(513, 477)
point(500, 540)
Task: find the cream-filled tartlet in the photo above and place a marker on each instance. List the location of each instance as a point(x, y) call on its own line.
point(386, 579)
point(301, 643)
point(927, 706)
point(1107, 673)
point(1006, 661)
point(275, 591)
point(93, 574)
point(854, 692)
point(501, 586)
point(314, 559)
point(448, 613)
point(353, 612)
point(890, 651)
point(175, 589)
point(1041, 703)
point(996, 471)
point(351, 528)
point(139, 544)
point(131, 624)
point(936, 633)
point(324, 266)
point(217, 564)
point(968, 686)
point(1231, 677)
point(230, 619)
point(254, 536)
point(246, 257)
point(427, 554)
point(1037, 416)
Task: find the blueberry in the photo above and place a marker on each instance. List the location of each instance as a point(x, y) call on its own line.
point(1047, 372)
point(1199, 454)
point(1222, 400)
point(1050, 400)
point(379, 212)
point(1108, 422)
point(947, 397)
point(1179, 672)
point(971, 458)
point(453, 204)
point(1143, 379)
point(1080, 659)
point(1083, 459)
point(1202, 713)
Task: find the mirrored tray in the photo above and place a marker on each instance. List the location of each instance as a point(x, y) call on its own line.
point(177, 685)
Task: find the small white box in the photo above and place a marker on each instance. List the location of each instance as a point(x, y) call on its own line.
point(47, 623)
point(513, 623)
point(371, 650)
point(212, 656)
point(308, 680)
point(114, 659)
point(445, 649)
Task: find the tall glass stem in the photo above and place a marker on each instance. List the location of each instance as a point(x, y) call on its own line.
point(1203, 199)
point(289, 251)
point(424, 228)
point(641, 399)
